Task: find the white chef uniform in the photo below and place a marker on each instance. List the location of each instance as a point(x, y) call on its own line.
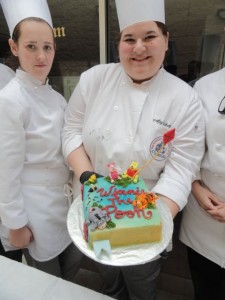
point(105, 94)
point(119, 121)
point(198, 230)
point(33, 172)
point(6, 74)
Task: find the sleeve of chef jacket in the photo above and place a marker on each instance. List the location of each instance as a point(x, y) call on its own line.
point(183, 165)
point(197, 88)
point(79, 107)
point(12, 153)
point(74, 117)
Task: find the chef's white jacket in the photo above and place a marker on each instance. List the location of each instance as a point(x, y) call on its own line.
point(200, 231)
point(6, 74)
point(120, 121)
point(32, 168)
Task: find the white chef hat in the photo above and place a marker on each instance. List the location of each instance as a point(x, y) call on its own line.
point(18, 10)
point(134, 11)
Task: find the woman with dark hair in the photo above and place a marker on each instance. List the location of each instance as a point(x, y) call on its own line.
point(33, 204)
point(119, 112)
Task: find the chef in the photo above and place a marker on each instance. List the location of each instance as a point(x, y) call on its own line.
point(203, 220)
point(120, 112)
point(33, 205)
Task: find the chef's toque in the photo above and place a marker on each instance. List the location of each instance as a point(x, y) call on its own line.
point(130, 12)
point(17, 10)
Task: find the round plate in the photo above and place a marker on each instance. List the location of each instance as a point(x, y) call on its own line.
point(121, 256)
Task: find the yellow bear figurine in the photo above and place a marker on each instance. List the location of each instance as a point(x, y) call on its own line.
point(132, 172)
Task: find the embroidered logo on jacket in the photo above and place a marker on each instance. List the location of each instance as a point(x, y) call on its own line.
point(155, 146)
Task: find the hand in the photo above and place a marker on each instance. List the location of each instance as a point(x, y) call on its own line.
point(21, 237)
point(86, 175)
point(205, 198)
point(218, 213)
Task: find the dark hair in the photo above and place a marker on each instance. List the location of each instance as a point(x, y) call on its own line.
point(17, 31)
point(12, 61)
point(160, 25)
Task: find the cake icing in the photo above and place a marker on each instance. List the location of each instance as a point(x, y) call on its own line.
point(120, 209)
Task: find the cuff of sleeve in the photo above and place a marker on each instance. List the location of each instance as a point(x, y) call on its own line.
point(13, 218)
point(69, 147)
point(198, 176)
point(174, 191)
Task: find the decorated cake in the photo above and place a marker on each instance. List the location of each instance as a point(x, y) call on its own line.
point(119, 209)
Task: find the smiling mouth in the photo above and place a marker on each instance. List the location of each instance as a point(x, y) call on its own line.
point(140, 59)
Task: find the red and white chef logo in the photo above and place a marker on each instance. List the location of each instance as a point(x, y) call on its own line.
point(156, 146)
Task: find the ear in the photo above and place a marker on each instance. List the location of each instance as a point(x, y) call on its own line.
point(13, 47)
point(167, 41)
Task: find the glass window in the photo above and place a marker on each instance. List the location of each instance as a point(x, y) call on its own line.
point(76, 26)
point(196, 45)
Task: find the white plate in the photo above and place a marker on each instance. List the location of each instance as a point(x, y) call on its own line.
point(122, 256)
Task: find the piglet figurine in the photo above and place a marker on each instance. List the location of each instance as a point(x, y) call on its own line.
point(113, 173)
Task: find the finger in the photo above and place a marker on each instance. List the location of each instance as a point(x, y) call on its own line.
point(214, 200)
point(219, 219)
point(213, 213)
point(217, 216)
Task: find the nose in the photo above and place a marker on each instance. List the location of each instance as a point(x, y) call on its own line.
point(41, 55)
point(139, 46)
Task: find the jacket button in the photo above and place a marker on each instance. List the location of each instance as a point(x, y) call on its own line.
point(130, 140)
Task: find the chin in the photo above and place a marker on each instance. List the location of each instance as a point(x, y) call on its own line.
point(141, 79)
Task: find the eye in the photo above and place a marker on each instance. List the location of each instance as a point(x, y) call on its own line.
point(129, 40)
point(48, 48)
point(31, 46)
point(150, 37)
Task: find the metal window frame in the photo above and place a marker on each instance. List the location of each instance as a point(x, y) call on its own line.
point(102, 31)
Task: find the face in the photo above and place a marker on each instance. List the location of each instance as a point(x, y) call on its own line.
point(35, 48)
point(142, 50)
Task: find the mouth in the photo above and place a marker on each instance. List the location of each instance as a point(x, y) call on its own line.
point(140, 59)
